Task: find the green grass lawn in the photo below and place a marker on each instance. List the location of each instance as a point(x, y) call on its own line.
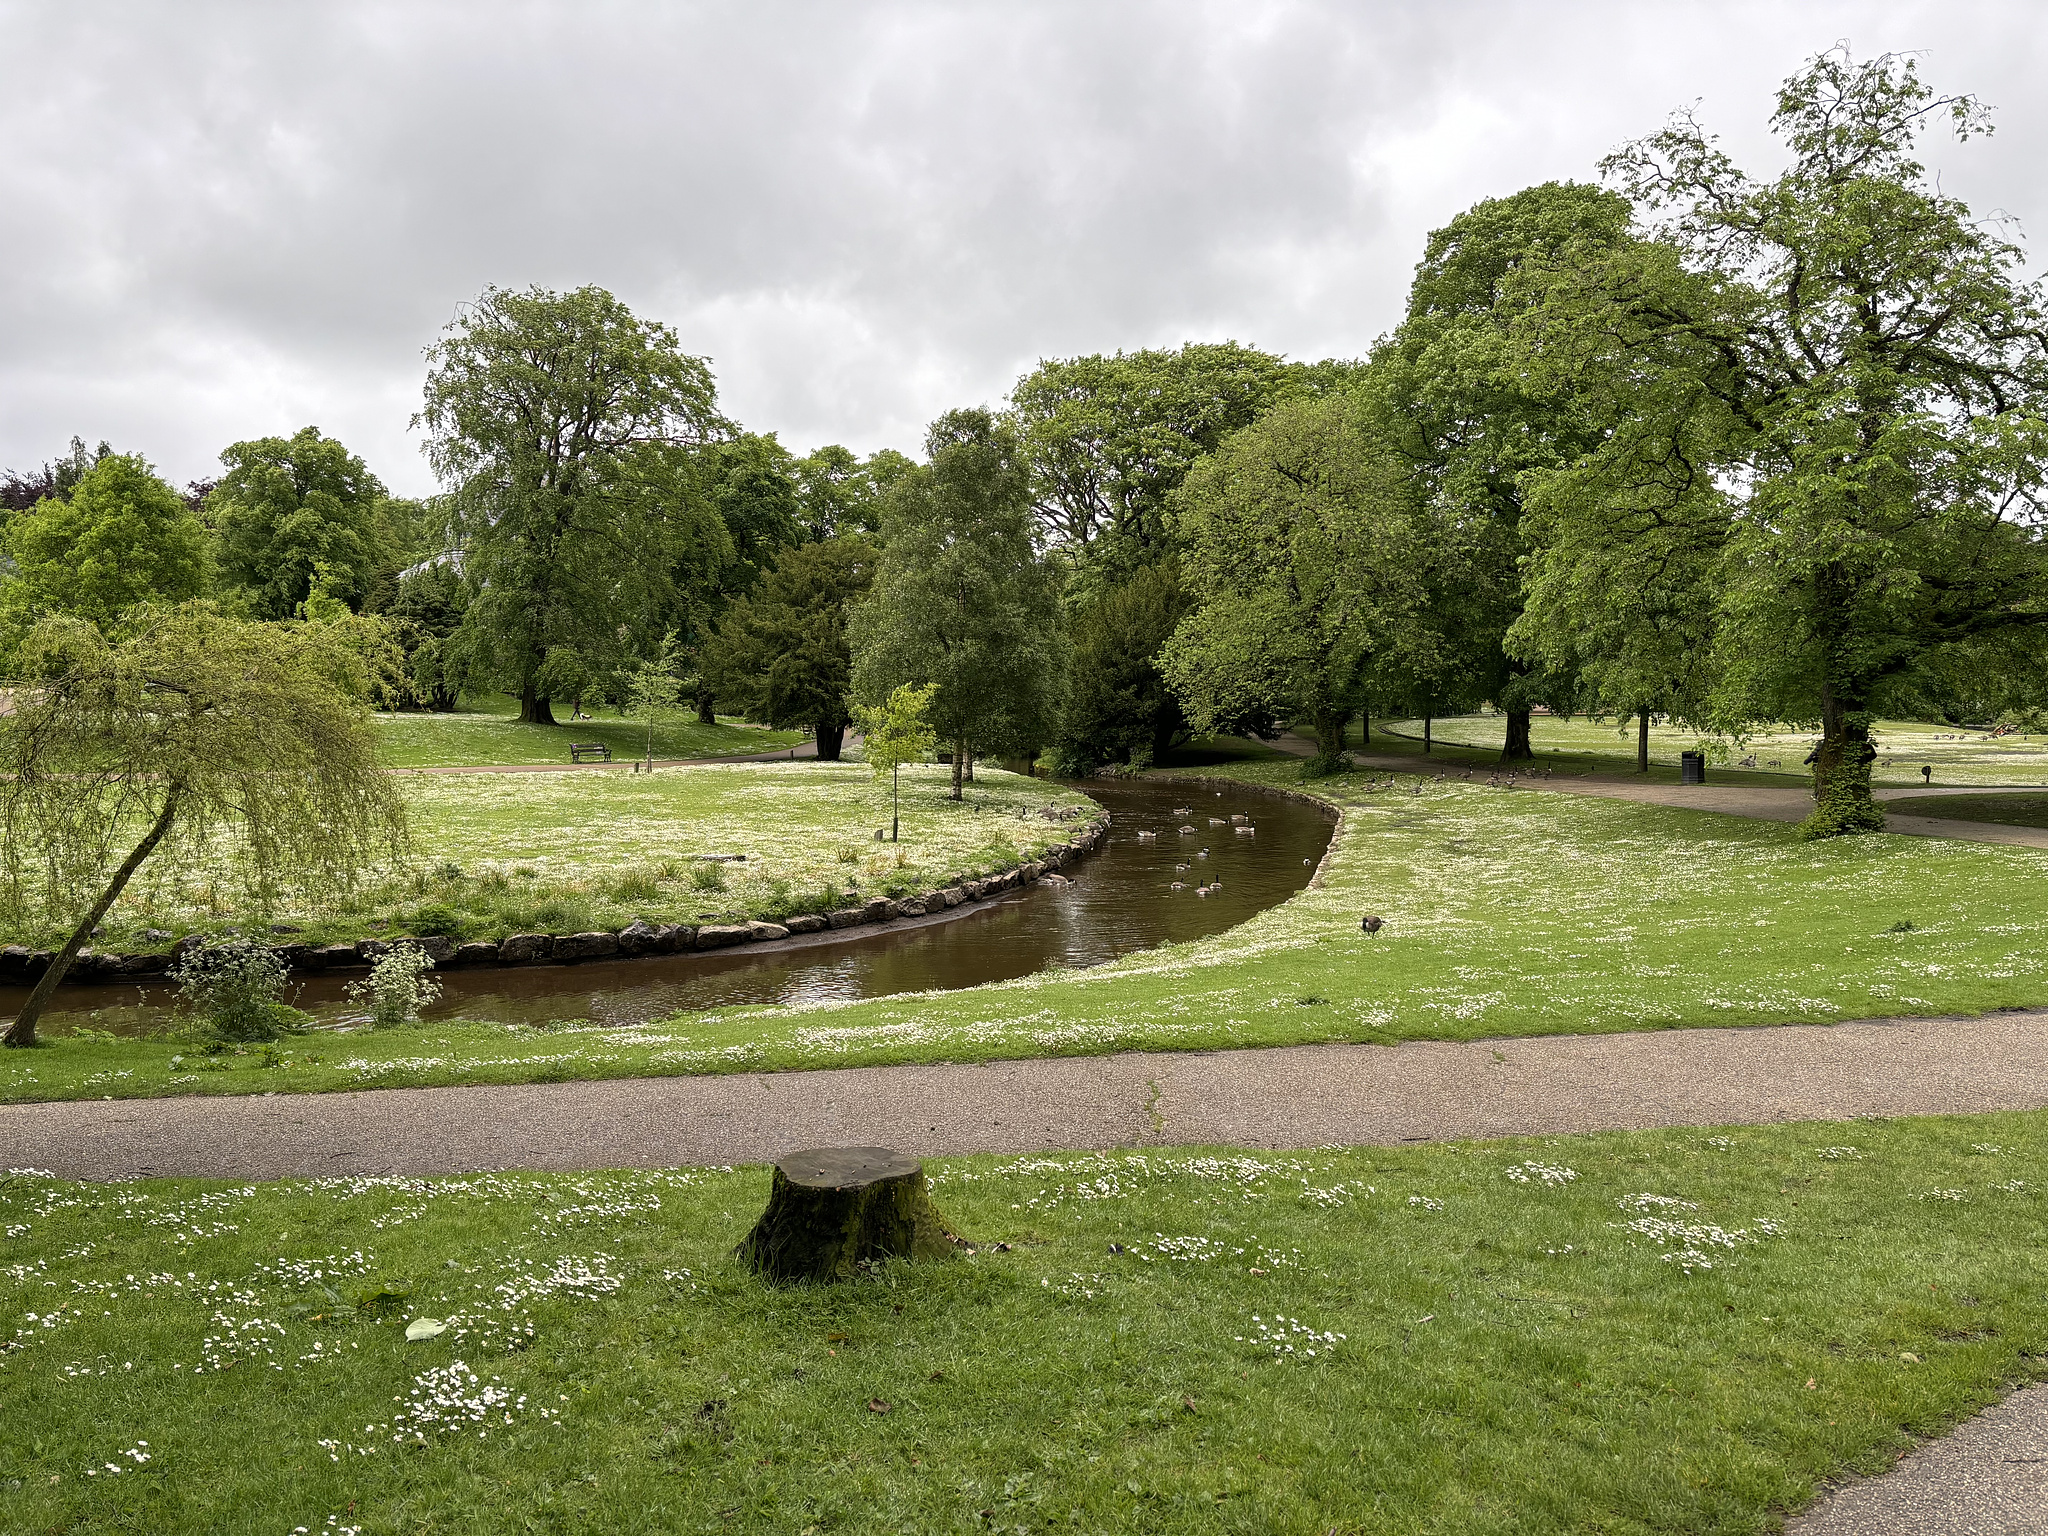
point(1581, 745)
point(1624, 1333)
point(1509, 912)
point(2005, 810)
point(488, 731)
point(568, 853)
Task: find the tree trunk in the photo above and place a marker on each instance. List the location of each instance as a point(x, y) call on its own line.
point(1427, 721)
point(959, 757)
point(1841, 762)
point(830, 739)
point(706, 714)
point(836, 1208)
point(1517, 749)
point(1643, 740)
point(1329, 733)
point(895, 802)
point(23, 1030)
point(1364, 729)
point(969, 754)
point(534, 708)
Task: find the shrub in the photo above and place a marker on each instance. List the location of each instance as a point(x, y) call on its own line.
point(636, 885)
point(708, 877)
point(434, 917)
point(398, 986)
point(233, 990)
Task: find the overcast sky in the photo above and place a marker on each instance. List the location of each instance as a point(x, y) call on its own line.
point(229, 221)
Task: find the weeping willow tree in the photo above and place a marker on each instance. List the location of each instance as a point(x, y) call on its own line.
point(197, 741)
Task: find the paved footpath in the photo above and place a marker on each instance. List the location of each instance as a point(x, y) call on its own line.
point(1286, 1097)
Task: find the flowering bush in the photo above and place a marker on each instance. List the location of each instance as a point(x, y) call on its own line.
point(233, 989)
point(398, 986)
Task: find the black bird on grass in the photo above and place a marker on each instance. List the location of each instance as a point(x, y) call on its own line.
point(1371, 925)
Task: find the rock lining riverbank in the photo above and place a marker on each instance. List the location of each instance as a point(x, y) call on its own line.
point(21, 966)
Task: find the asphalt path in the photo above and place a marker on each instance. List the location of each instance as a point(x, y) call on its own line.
point(1283, 1098)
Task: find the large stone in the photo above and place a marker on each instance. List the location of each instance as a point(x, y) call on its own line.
point(767, 932)
point(910, 909)
point(880, 910)
point(477, 952)
point(367, 950)
point(585, 946)
point(719, 935)
point(846, 917)
point(639, 937)
point(674, 938)
point(14, 962)
point(525, 948)
point(809, 922)
point(953, 895)
point(141, 965)
point(438, 947)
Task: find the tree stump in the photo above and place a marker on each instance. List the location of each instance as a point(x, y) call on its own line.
point(831, 1209)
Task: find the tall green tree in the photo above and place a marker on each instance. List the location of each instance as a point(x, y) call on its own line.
point(568, 432)
point(1118, 706)
point(961, 598)
point(782, 650)
point(195, 742)
point(1838, 383)
point(122, 537)
point(841, 493)
point(1108, 439)
point(293, 513)
point(1310, 560)
point(1466, 419)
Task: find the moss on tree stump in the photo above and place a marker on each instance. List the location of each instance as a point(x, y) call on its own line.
point(832, 1209)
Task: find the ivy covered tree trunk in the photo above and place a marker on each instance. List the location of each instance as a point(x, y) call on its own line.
point(1517, 749)
point(830, 739)
point(1841, 762)
point(706, 713)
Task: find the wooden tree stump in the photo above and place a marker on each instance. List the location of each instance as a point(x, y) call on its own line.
point(832, 1208)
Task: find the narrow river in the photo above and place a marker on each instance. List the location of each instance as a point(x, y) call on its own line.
point(1121, 900)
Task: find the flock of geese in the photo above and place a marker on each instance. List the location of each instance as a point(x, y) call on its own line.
point(1242, 826)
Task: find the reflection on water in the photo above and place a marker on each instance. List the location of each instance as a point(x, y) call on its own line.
point(1121, 900)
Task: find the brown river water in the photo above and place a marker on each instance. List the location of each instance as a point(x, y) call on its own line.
point(1121, 900)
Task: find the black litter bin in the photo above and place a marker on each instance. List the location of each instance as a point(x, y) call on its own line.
point(1692, 767)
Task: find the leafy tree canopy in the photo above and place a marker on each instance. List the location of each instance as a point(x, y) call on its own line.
point(1311, 564)
point(292, 514)
point(782, 650)
point(1108, 438)
point(842, 493)
point(123, 537)
point(961, 599)
point(1119, 707)
point(568, 432)
point(1835, 384)
point(196, 743)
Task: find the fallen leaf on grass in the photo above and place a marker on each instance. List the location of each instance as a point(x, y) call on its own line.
point(424, 1328)
point(876, 1405)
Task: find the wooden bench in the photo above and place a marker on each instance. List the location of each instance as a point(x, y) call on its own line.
point(583, 751)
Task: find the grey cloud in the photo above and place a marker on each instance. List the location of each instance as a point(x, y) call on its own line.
point(232, 220)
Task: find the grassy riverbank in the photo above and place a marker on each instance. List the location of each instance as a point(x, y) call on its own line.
point(1509, 912)
point(1619, 1333)
point(1580, 745)
point(496, 854)
point(489, 732)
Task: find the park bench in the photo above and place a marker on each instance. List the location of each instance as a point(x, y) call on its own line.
point(586, 751)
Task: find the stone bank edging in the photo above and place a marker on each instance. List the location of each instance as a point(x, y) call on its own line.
point(23, 967)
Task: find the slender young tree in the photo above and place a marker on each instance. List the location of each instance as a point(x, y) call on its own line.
point(568, 432)
point(893, 733)
point(196, 743)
